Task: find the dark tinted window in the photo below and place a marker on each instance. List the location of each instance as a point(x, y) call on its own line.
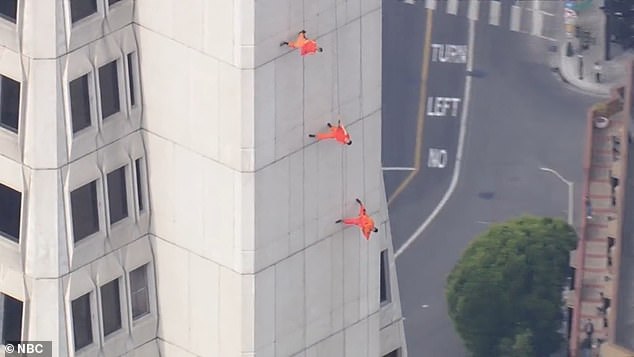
point(117, 195)
point(10, 203)
point(80, 103)
point(9, 103)
point(10, 319)
point(9, 10)
point(139, 188)
point(109, 89)
point(111, 307)
point(139, 295)
point(85, 212)
point(131, 80)
point(82, 323)
point(384, 293)
point(82, 8)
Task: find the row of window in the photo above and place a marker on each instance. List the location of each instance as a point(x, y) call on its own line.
point(79, 9)
point(84, 203)
point(110, 301)
point(79, 90)
point(109, 298)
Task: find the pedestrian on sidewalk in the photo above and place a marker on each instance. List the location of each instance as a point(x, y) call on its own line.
point(589, 328)
point(363, 221)
point(580, 57)
point(305, 46)
point(597, 71)
point(588, 205)
point(338, 133)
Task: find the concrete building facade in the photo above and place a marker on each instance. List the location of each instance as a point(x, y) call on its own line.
point(159, 195)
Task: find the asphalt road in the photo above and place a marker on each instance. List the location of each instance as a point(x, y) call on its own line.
point(521, 117)
point(401, 88)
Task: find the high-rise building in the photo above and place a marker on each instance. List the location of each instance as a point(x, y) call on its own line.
point(160, 196)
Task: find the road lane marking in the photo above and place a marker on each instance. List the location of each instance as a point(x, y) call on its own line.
point(446, 53)
point(452, 7)
point(461, 140)
point(516, 15)
point(437, 158)
point(430, 4)
point(399, 168)
point(537, 19)
point(421, 109)
point(440, 106)
point(494, 13)
point(474, 7)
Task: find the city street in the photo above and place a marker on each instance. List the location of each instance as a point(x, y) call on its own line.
point(520, 118)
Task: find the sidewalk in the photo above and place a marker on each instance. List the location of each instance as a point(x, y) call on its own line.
point(591, 19)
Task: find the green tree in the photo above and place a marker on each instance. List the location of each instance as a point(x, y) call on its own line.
point(520, 346)
point(504, 295)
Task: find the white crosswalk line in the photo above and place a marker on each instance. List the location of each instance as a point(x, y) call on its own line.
point(538, 21)
point(430, 4)
point(474, 6)
point(452, 7)
point(494, 13)
point(516, 16)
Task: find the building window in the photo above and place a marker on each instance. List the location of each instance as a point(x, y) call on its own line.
point(9, 10)
point(80, 9)
point(395, 353)
point(109, 89)
point(111, 307)
point(80, 103)
point(85, 212)
point(131, 79)
point(9, 103)
point(117, 195)
point(111, 2)
point(10, 319)
point(139, 186)
point(139, 295)
point(10, 205)
point(82, 321)
point(385, 278)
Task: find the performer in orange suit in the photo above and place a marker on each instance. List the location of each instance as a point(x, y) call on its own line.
point(306, 46)
point(363, 221)
point(338, 133)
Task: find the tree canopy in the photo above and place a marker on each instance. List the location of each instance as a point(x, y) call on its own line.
point(505, 294)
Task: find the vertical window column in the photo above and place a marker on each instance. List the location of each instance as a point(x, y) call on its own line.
point(10, 319)
point(80, 9)
point(130, 60)
point(10, 208)
point(79, 103)
point(385, 279)
point(139, 294)
point(111, 307)
point(109, 89)
point(82, 322)
point(85, 211)
point(9, 103)
point(9, 10)
point(117, 195)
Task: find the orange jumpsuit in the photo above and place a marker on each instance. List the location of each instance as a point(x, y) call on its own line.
point(306, 46)
point(338, 133)
point(363, 221)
